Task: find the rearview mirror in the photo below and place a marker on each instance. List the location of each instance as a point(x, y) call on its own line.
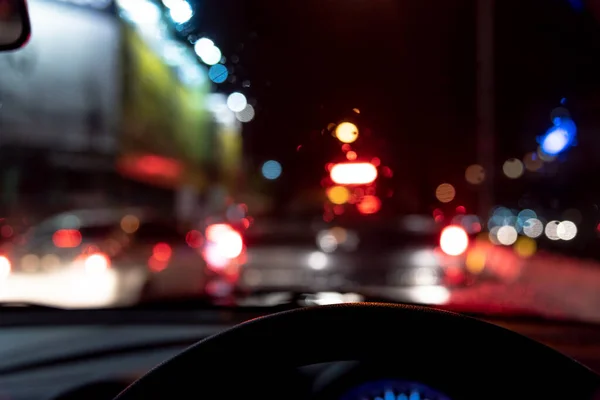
point(14, 24)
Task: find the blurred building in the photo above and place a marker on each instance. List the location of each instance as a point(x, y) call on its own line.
point(105, 106)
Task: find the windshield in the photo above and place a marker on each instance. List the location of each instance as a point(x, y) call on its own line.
point(434, 152)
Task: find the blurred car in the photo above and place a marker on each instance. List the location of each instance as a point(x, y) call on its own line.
point(301, 255)
point(102, 257)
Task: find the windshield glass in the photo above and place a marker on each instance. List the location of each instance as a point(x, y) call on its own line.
point(435, 152)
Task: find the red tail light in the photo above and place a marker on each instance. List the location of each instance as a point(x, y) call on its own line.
point(454, 240)
point(162, 252)
point(5, 267)
point(223, 244)
point(193, 239)
point(97, 262)
point(213, 232)
point(66, 238)
point(227, 241)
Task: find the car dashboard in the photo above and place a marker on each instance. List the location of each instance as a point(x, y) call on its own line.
point(97, 361)
point(344, 380)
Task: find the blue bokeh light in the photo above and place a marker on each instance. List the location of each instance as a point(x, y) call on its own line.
point(523, 217)
point(218, 73)
point(271, 170)
point(559, 137)
point(555, 141)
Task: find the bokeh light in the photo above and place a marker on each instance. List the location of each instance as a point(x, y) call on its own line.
point(445, 193)
point(533, 228)
point(566, 230)
point(338, 194)
point(236, 102)
point(369, 205)
point(162, 251)
point(555, 141)
point(346, 132)
point(502, 216)
point(212, 57)
point(525, 247)
point(130, 224)
point(507, 235)
point(513, 168)
point(551, 230)
point(202, 44)
point(559, 137)
point(271, 170)
point(218, 73)
point(246, 115)
point(475, 261)
point(475, 174)
point(194, 239)
point(67, 238)
point(454, 240)
point(353, 173)
point(327, 241)
point(533, 162)
point(493, 235)
point(317, 260)
point(181, 11)
point(523, 217)
point(207, 51)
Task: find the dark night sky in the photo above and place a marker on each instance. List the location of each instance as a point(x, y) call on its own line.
point(409, 66)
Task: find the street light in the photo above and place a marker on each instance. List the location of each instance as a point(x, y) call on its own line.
point(346, 132)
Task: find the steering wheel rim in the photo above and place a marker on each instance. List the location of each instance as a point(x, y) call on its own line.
point(483, 356)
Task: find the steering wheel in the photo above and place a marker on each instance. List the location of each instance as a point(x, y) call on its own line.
point(466, 358)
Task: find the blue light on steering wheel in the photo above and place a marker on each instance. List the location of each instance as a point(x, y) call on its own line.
point(390, 395)
point(391, 389)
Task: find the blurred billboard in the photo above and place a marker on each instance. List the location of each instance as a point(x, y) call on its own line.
point(163, 115)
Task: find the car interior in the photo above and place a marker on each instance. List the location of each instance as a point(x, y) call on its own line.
point(352, 351)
